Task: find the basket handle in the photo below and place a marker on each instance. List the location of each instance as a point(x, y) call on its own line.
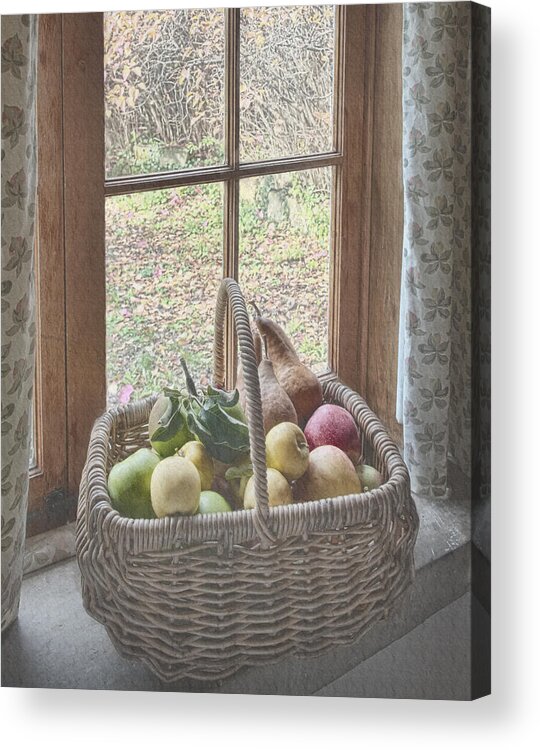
point(230, 294)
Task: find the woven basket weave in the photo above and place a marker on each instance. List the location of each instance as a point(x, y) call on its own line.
point(206, 595)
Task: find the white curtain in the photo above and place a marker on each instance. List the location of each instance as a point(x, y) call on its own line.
point(19, 168)
point(434, 386)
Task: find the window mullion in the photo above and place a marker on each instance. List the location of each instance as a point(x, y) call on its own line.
point(232, 154)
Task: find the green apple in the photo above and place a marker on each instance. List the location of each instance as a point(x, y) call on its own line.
point(213, 502)
point(279, 491)
point(129, 484)
point(159, 408)
point(197, 454)
point(175, 487)
point(287, 450)
point(369, 477)
point(167, 426)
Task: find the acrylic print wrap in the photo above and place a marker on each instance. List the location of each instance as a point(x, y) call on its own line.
point(231, 313)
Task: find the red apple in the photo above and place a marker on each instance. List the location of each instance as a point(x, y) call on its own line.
point(333, 425)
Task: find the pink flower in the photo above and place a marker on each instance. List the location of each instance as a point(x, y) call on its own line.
point(124, 394)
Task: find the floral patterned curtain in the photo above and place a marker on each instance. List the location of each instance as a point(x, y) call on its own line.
point(19, 168)
point(434, 389)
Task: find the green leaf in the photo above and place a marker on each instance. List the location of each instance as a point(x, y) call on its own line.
point(171, 423)
point(226, 399)
point(224, 437)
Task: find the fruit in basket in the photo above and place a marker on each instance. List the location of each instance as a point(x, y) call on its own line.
point(299, 382)
point(279, 490)
point(330, 473)
point(369, 477)
point(213, 502)
point(276, 405)
point(197, 454)
point(175, 487)
point(129, 484)
point(158, 410)
point(287, 450)
point(172, 430)
point(333, 425)
point(237, 477)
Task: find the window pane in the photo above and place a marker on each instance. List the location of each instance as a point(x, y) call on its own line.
point(164, 264)
point(284, 255)
point(286, 81)
point(164, 90)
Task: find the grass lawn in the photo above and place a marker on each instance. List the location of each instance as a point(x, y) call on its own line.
point(164, 265)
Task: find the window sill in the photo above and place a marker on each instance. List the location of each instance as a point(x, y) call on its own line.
point(53, 632)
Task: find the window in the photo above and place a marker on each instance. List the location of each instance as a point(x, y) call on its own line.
point(221, 149)
point(257, 190)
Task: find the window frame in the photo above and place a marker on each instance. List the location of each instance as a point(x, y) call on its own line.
point(48, 504)
point(233, 170)
point(71, 387)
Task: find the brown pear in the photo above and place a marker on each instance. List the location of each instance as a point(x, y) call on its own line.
point(300, 383)
point(276, 405)
point(240, 385)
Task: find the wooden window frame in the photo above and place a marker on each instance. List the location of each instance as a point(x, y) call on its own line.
point(233, 170)
point(366, 227)
point(48, 505)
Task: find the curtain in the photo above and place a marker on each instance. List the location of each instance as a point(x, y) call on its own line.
point(434, 376)
point(19, 176)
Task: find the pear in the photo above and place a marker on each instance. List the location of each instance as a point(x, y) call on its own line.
point(129, 484)
point(279, 491)
point(197, 454)
point(175, 488)
point(299, 382)
point(276, 405)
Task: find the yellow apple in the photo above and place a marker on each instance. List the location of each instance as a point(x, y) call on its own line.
point(330, 473)
point(287, 450)
point(175, 488)
point(197, 454)
point(279, 491)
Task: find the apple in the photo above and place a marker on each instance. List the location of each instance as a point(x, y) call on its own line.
point(287, 450)
point(196, 453)
point(175, 487)
point(369, 477)
point(333, 425)
point(279, 491)
point(330, 473)
point(213, 502)
point(129, 484)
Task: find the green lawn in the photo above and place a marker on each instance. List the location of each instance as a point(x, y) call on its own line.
point(164, 264)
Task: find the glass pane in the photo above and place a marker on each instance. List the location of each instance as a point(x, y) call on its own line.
point(284, 255)
point(164, 253)
point(164, 90)
point(286, 81)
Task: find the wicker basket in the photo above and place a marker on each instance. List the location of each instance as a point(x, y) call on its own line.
point(204, 596)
